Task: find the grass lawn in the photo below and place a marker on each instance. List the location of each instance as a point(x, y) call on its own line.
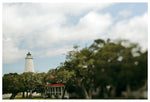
point(34, 97)
point(38, 97)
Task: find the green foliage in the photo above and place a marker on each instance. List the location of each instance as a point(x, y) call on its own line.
point(105, 63)
point(12, 83)
point(120, 64)
point(40, 82)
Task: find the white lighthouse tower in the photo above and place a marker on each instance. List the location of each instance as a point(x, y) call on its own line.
point(29, 67)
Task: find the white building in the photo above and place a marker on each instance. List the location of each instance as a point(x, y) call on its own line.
point(56, 90)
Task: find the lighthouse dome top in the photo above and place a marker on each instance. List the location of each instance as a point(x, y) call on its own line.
point(29, 56)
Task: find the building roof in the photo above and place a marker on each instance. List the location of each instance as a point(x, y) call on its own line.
point(50, 76)
point(55, 85)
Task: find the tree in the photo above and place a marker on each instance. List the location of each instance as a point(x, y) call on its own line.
point(40, 82)
point(120, 62)
point(29, 82)
point(60, 76)
point(81, 62)
point(104, 63)
point(12, 83)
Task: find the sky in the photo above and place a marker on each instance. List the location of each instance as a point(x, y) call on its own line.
point(50, 30)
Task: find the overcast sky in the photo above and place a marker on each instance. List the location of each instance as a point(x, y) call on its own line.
point(49, 30)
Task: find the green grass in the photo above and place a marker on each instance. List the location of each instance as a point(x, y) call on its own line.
point(19, 96)
point(34, 97)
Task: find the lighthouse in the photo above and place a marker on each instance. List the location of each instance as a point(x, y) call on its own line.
point(29, 66)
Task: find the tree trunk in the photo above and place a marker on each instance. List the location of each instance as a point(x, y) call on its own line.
point(64, 93)
point(13, 95)
point(86, 93)
point(128, 91)
point(90, 91)
point(23, 94)
point(45, 91)
point(27, 94)
point(101, 93)
point(30, 96)
point(113, 92)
